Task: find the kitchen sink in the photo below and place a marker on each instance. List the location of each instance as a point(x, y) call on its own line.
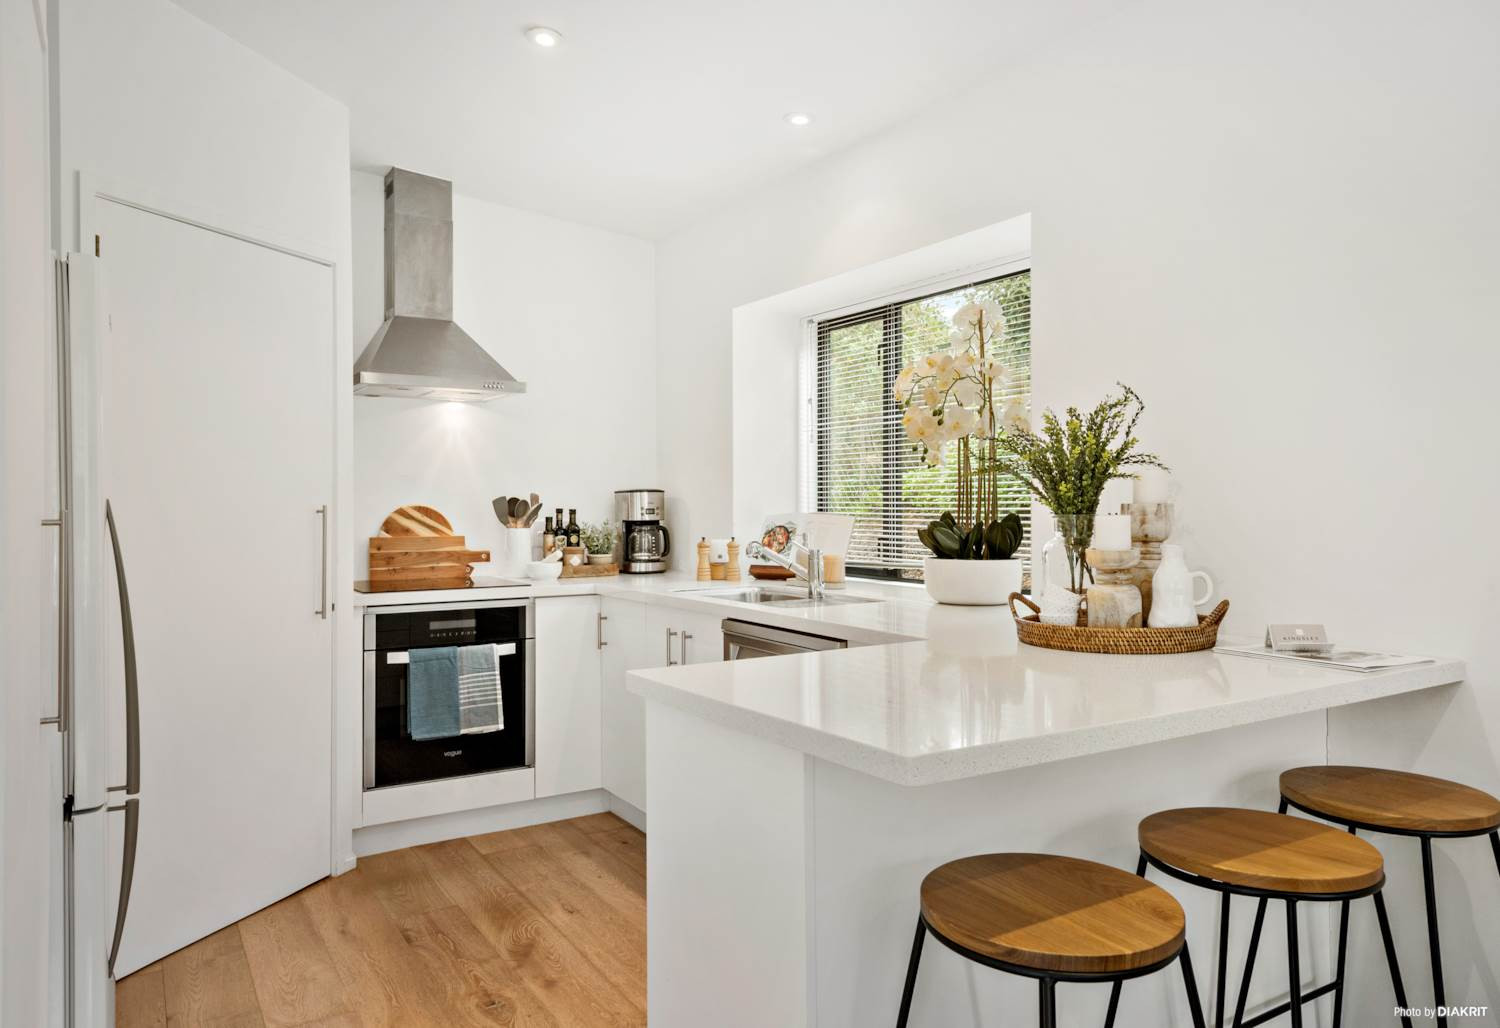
point(787, 597)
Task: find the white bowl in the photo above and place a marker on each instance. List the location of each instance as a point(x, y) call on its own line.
point(544, 570)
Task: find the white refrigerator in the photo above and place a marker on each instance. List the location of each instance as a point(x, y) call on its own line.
point(98, 819)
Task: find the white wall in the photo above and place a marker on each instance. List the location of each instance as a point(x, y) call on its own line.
point(1277, 221)
point(28, 809)
point(160, 108)
point(569, 310)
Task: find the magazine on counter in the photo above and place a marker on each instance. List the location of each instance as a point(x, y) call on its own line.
point(1344, 660)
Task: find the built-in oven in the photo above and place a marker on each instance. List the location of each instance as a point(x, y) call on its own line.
point(391, 755)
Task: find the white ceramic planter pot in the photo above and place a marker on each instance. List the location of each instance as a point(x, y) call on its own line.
point(974, 583)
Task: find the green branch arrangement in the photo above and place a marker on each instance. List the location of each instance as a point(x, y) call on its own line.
point(1068, 463)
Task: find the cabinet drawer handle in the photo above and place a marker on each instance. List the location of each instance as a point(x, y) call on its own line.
point(671, 634)
point(602, 618)
point(686, 635)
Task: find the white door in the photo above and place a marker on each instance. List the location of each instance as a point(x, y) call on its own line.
point(567, 694)
point(627, 648)
point(217, 415)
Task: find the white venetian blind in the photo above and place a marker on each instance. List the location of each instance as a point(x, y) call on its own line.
point(862, 463)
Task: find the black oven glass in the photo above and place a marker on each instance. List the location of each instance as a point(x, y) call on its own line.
point(400, 759)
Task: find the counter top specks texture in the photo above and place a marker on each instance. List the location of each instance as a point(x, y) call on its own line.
point(929, 693)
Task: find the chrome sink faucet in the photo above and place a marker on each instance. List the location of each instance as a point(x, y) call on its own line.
point(811, 573)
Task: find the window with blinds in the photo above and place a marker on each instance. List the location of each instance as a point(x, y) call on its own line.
point(863, 464)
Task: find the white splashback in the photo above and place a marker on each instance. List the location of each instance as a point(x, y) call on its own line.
point(570, 310)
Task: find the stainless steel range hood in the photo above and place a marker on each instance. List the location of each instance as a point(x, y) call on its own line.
point(419, 352)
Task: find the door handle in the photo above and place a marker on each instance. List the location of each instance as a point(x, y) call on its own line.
point(686, 635)
point(322, 610)
point(63, 632)
point(132, 686)
point(132, 808)
point(602, 618)
point(671, 634)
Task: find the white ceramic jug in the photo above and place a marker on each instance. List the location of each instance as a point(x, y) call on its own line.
point(1172, 602)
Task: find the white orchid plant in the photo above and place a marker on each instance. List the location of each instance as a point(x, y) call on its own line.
point(953, 396)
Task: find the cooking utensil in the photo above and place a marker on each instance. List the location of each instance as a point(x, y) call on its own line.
point(502, 508)
point(536, 508)
point(518, 509)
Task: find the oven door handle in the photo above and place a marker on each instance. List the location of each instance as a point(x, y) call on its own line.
point(404, 656)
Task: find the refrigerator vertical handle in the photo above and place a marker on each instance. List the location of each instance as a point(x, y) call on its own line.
point(132, 808)
point(322, 610)
point(132, 690)
point(63, 646)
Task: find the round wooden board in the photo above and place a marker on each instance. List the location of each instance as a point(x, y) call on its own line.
point(414, 519)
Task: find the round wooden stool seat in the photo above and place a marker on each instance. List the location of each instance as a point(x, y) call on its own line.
point(1392, 800)
point(1256, 849)
point(1052, 914)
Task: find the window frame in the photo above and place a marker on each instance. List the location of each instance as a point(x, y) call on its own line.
point(887, 311)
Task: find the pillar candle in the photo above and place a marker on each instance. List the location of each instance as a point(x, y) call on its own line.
point(1112, 532)
point(1150, 485)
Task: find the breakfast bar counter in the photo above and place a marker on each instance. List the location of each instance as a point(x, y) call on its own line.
point(797, 802)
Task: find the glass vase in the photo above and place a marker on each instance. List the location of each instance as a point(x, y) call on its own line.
point(1071, 541)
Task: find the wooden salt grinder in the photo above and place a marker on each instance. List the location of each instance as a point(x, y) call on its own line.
point(734, 560)
point(704, 572)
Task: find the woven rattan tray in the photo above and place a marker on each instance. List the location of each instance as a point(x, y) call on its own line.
point(1082, 639)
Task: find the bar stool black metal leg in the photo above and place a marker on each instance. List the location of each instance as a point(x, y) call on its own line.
point(1495, 845)
point(1260, 918)
point(1223, 961)
point(1048, 990)
point(1190, 981)
point(1293, 964)
point(911, 974)
point(1114, 1005)
point(1432, 929)
point(1390, 956)
point(1114, 990)
point(1338, 977)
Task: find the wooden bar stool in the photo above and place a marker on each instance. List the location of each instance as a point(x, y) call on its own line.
point(1269, 856)
point(1055, 919)
point(1398, 803)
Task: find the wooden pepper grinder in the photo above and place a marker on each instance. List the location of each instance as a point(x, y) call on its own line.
point(704, 572)
point(734, 560)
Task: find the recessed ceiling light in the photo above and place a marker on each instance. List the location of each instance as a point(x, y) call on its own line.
point(799, 119)
point(543, 36)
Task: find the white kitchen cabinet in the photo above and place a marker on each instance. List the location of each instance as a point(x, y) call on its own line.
point(702, 640)
point(568, 699)
point(627, 648)
point(680, 636)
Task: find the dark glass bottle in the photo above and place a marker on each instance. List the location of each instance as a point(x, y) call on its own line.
point(575, 537)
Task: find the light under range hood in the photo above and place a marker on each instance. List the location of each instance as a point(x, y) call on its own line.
point(419, 353)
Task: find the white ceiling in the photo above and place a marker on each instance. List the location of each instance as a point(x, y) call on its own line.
point(648, 114)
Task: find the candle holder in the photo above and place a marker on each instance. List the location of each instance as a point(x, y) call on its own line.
point(1150, 526)
point(1114, 599)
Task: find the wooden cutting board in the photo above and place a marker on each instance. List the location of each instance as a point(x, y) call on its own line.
point(417, 549)
point(413, 519)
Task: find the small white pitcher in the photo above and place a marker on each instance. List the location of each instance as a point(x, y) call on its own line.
point(1173, 604)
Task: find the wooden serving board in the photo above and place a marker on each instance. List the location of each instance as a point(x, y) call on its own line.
point(590, 571)
point(413, 519)
point(417, 549)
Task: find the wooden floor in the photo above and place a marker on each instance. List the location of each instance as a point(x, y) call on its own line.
point(537, 926)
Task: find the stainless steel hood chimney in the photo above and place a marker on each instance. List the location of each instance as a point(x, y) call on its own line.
point(419, 352)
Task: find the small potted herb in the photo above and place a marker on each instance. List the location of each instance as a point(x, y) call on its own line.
point(599, 541)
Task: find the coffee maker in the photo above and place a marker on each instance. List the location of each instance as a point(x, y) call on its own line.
point(644, 542)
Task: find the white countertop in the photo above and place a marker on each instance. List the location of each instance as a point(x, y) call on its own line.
point(932, 693)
